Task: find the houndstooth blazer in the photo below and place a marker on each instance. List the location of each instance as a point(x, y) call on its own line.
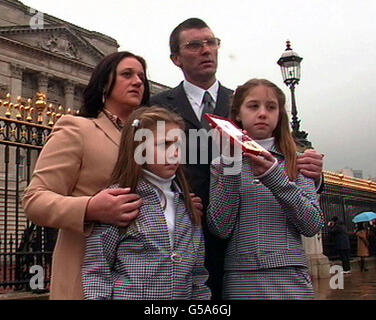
point(139, 263)
point(263, 218)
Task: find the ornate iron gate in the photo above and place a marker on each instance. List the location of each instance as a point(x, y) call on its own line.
point(24, 127)
point(345, 197)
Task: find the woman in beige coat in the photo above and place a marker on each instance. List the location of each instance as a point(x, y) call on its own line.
point(76, 164)
point(363, 245)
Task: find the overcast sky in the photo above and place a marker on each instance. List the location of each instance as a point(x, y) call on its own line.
point(336, 38)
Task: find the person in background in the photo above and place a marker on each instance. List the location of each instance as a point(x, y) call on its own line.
point(362, 235)
point(337, 230)
point(372, 237)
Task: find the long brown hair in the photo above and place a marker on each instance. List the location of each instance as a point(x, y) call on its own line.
point(127, 171)
point(284, 140)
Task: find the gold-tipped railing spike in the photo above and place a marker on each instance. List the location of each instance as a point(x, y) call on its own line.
point(38, 111)
point(20, 108)
point(40, 104)
point(9, 105)
point(50, 114)
point(29, 110)
point(60, 112)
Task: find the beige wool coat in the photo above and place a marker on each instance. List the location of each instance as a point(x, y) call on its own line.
point(76, 163)
point(363, 244)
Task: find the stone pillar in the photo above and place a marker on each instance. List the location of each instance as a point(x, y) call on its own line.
point(43, 78)
point(16, 72)
point(319, 264)
point(69, 94)
point(3, 90)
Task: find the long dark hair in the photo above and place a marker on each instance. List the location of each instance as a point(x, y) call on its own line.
point(127, 171)
point(103, 80)
point(282, 133)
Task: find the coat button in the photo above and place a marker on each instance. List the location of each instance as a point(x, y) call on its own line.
point(175, 257)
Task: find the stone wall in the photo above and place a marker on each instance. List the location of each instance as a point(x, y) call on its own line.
point(55, 57)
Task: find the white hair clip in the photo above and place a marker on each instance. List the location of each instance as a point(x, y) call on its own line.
point(135, 123)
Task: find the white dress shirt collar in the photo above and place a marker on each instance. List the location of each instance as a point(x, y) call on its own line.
point(196, 94)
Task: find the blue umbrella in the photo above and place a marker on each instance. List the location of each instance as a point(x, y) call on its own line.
point(364, 216)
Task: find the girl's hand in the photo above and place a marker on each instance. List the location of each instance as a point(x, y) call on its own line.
point(113, 206)
point(197, 204)
point(260, 164)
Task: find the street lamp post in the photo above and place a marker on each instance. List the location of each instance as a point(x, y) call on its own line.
point(290, 68)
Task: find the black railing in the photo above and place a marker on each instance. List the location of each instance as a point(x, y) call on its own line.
point(344, 203)
point(25, 249)
point(31, 258)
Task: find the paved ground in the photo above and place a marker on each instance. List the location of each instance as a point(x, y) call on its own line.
point(356, 286)
point(23, 296)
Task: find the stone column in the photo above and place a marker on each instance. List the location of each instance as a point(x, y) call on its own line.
point(3, 90)
point(69, 94)
point(319, 264)
point(43, 78)
point(16, 71)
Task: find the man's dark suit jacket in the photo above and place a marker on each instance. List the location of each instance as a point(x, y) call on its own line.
point(198, 175)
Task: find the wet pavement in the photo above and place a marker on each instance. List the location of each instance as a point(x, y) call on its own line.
point(355, 286)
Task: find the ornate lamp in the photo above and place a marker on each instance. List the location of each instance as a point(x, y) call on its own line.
point(290, 68)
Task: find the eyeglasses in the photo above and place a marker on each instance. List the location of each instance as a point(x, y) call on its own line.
point(196, 45)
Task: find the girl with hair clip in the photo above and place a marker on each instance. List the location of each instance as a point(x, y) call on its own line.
point(161, 254)
point(265, 208)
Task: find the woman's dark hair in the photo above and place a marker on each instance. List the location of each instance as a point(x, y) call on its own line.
point(103, 80)
point(191, 23)
point(360, 226)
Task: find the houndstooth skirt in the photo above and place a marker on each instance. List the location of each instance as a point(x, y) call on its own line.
point(284, 283)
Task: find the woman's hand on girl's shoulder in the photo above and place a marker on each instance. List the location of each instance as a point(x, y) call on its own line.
point(310, 164)
point(262, 163)
point(114, 206)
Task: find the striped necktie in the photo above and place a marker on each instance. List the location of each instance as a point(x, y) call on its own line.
point(208, 103)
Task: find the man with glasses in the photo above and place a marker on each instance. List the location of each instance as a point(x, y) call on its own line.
point(194, 49)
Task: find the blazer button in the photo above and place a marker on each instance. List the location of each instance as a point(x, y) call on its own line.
point(175, 257)
point(256, 181)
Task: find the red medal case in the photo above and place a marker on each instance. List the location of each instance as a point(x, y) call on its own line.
point(235, 133)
